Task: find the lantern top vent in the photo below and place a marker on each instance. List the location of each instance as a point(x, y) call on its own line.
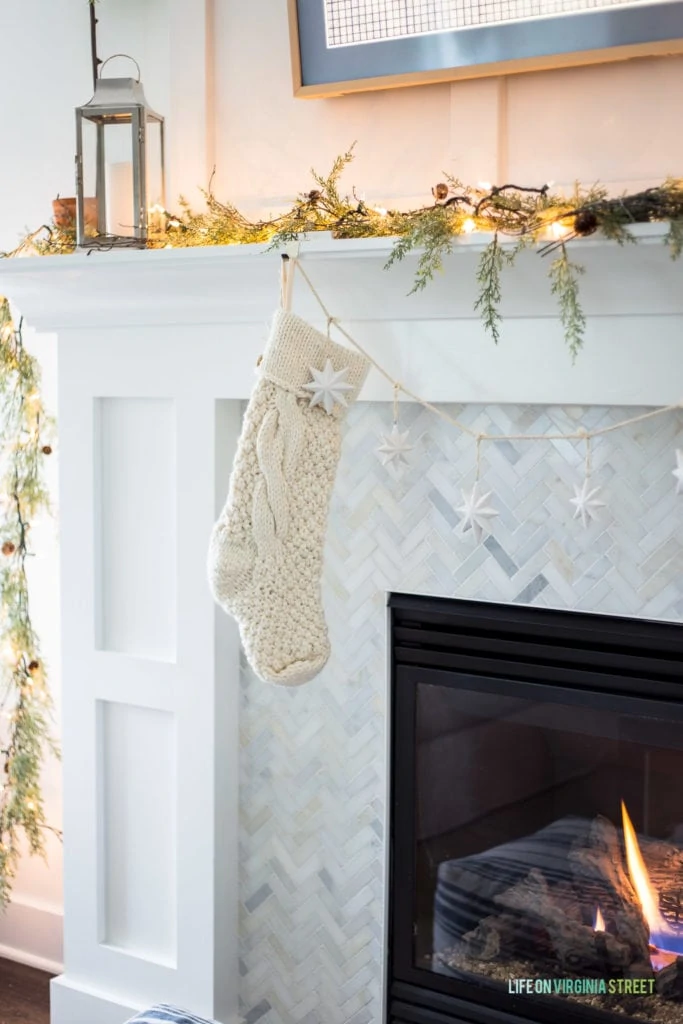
point(116, 97)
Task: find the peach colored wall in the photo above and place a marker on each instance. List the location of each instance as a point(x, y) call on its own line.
point(616, 123)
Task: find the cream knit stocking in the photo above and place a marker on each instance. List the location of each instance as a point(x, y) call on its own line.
point(265, 556)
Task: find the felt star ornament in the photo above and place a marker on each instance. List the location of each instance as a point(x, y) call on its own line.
point(586, 502)
point(394, 447)
point(678, 471)
point(327, 387)
point(476, 513)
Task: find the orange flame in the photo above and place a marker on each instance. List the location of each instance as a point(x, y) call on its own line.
point(599, 923)
point(640, 879)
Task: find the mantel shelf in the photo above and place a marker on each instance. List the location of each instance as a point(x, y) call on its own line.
point(631, 294)
point(216, 284)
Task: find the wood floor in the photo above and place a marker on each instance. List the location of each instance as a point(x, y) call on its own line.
point(24, 994)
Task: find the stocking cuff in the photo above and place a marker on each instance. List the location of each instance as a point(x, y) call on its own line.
point(294, 348)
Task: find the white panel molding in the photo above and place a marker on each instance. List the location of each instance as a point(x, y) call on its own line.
point(79, 1004)
point(137, 576)
point(197, 694)
point(139, 913)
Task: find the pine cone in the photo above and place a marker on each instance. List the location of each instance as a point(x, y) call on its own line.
point(585, 222)
point(46, 449)
point(440, 191)
point(8, 548)
point(33, 665)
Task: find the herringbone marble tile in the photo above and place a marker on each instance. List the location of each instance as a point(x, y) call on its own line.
point(312, 759)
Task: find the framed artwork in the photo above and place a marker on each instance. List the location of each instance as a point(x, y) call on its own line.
point(343, 46)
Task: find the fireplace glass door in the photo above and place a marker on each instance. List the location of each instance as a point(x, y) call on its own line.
point(548, 846)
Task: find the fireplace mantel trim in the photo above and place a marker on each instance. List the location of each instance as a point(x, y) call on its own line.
point(224, 297)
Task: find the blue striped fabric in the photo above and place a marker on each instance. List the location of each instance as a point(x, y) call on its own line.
point(162, 1013)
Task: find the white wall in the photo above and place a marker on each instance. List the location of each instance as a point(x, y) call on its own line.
point(42, 79)
point(616, 124)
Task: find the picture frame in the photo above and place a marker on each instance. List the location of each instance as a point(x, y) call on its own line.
point(593, 32)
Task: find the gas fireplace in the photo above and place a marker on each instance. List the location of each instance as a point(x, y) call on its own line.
point(536, 853)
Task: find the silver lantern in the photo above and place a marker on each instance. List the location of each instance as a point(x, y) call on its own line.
point(119, 160)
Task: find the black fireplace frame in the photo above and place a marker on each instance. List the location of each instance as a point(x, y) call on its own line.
point(620, 663)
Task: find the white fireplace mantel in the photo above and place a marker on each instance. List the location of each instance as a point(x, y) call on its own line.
point(632, 297)
point(155, 350)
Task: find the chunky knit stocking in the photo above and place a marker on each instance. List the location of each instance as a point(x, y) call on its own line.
point(265, 557)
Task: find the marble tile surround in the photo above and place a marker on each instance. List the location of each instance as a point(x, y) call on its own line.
point(312, 759)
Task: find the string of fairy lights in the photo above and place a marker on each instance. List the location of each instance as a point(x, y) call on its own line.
point(25, 702)
point(477, 510)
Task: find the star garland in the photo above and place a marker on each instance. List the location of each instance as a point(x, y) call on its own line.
point(528, 216)
point(25, 703)
point(477, 509)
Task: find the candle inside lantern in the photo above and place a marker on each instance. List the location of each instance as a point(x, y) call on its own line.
point(120, 216)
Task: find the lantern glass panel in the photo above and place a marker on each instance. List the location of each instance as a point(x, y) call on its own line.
point(90, 191)
point(155, 174)
point(118, 179)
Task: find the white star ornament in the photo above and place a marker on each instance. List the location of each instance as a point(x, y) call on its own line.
point(678, 471)
point(476, 514)
point(586, 502)
point(327, 387)
point(394, 447)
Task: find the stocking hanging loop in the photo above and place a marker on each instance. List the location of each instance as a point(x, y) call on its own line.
point(287, 267)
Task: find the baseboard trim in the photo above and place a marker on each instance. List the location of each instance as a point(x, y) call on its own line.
point(72, 1004)
point(20, 956)
point(32, 935)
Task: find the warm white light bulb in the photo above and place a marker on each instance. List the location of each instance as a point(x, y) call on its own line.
point(8, 651)
point(485, 186)
point(468, 226)
point(380, 210)
point(559, 230)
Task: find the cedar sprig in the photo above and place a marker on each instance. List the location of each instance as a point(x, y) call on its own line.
point(25, 702)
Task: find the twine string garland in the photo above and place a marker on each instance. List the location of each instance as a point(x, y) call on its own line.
point(580, 434)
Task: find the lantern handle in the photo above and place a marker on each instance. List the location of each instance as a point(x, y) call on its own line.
point(126, 55)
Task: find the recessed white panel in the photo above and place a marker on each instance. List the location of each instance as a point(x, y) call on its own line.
point(135, 496)
point(138, 831)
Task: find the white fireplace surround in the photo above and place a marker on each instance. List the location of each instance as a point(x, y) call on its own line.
point(157, 351)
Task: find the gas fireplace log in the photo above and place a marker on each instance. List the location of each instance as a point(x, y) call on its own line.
point(669, 983)
point(597, 863)
point(665, 866)
point(575, 946)
point(598, 866)
point(494, 937)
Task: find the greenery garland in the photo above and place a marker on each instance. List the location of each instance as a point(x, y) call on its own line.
point(526, 215)
point(25, 703)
